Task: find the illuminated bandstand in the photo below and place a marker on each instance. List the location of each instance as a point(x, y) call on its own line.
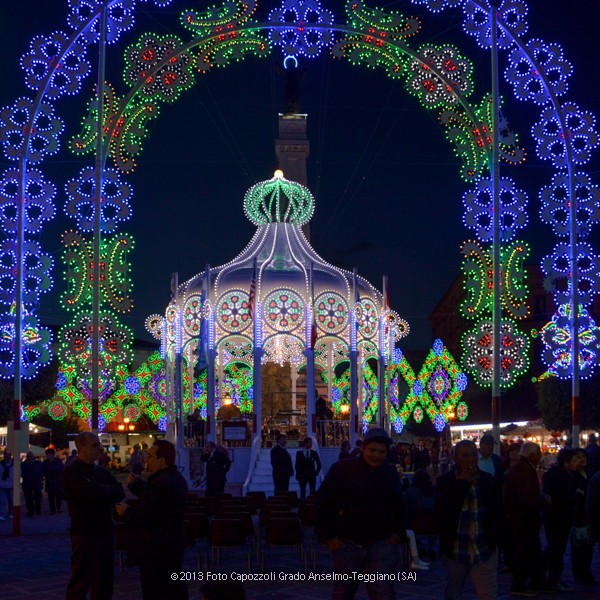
point(278, 301)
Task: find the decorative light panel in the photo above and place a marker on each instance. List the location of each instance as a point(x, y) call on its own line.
point(25, 133)
point(233, 311)
point(331, 312)
point(479, 209)
point(279, 201)
point(304, 31)
point(479, 285)
point(283, 310)
point(557, 337)
point(114, 200)
point(478, 349)
point(556, 204)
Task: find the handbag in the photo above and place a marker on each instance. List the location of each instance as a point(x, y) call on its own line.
point(581, 536)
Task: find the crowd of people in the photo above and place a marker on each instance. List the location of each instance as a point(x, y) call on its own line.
point(481, 512)
point(486, 509)
point(39, 476)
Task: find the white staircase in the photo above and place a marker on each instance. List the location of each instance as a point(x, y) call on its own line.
point(262, 476)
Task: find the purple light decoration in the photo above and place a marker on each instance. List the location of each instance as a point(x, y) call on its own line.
point(119, 18)
point(300, 37)
point(61, 381)
point(557, 337)
point(418, 388)
point(39, 206)
point(66, 76)
point(439, 385)
point(478, 24)
point(438, 347)
point(438, 5)
point(479, 209)
point(44, 132)
point(550, 142)
point(115, 197)
point(439, 423)
point(101, 423)
point(557, 269)
point(527, 80)
point(398, 425)
point(556, 204)
point(132, 385)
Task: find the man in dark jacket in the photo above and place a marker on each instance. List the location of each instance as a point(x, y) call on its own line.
point(560, 484)
point(361, 518)
point(91, 493)
point(523, 501)
point(217, 465)
point(420, 457)
point(468, 500)
point(593, 455)
point(281, 461)
point(308, 466)
point(158, 523)
point(31, 472)
point(52, 471)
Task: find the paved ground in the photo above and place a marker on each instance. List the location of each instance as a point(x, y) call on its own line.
point(36, 565)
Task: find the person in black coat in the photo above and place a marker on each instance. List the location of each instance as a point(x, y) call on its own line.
point(217, 465)
point(157, 520)
point(523, 501)
point(31, 472)
point(308, 466)
point(281, 461)
point(559, 483)
point(360, 517)
point(468, 499)
point(91, 493)
point(52, 470)
point(420, 457)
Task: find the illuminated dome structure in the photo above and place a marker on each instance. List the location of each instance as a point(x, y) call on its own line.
point(277, 301)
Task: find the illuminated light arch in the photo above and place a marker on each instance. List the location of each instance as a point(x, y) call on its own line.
point(232, 32)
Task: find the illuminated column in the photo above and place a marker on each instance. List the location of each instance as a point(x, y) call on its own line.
point(97, 234)
point(309, 353)
point(310, 390)
point(330, 349)
point(381, 366)
point(257, 370)
point(210, 378)
point(294, 374)
point(354, 411)
point(497, 240)
point(178, 376)
point(170, 381)
point(190, 363)
point(221, 361)
point(360, 392)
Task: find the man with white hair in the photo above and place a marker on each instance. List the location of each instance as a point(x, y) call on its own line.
point(524, 500)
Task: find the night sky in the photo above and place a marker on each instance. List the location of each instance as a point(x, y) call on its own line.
point(386, 181)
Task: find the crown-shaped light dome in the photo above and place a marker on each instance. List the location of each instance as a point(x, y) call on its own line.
point(279, 201)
